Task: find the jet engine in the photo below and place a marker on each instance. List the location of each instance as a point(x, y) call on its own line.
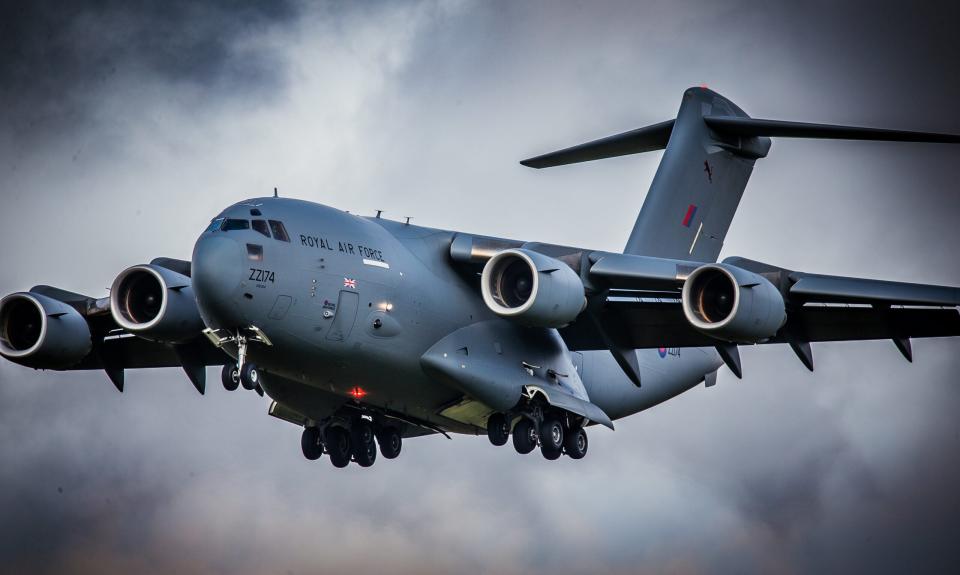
point(41, 332)
point(733, 304)
point(156, 304)
point(534, 289)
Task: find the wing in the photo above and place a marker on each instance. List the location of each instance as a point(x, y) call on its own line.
point(640, 306)
point(114, 350)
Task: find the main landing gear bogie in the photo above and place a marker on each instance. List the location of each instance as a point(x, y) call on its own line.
point(556, 433)
point(357, 440)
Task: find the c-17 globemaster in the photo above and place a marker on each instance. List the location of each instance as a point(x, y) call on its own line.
point(366, 331)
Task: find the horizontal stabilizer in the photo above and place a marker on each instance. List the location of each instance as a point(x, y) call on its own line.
point(749, 127)
point(645, 139)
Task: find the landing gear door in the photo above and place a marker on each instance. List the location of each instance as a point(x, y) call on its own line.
point(346, 315)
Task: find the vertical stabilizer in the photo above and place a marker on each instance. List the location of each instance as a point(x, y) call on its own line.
point(710, 149)
point(698, 185)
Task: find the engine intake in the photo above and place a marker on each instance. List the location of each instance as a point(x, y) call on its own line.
point(41, 332)
point(534, 289)
point(733, 304)
point(156, 304)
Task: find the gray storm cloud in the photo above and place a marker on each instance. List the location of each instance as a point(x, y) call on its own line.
point(124, 127)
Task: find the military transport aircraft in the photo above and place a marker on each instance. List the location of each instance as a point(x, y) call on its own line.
point(366, 331)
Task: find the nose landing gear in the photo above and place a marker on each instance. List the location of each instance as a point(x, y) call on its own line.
point(230, 377)
point(244, 373)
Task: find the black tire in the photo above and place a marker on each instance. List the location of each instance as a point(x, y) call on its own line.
point(337, 441)
point(361, 433)
point(390, 442)
point(230, 377)
point(575, 445)
point(249, 376)
point(524, 436)
point(498, 429)
point(310, 443)
point(365, 453)
point(551, 438)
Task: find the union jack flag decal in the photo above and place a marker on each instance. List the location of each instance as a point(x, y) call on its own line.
point(350, 283)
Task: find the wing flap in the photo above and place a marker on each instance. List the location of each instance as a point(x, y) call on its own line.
point(131, 352)
point(836, 289)
point(646, 325)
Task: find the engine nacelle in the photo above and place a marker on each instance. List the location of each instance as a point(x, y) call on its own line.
point(41, 332)
point(156, 304)
point(733, 304)
point(534, 289)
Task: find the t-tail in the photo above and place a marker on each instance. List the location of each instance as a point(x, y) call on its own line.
point(709, 153)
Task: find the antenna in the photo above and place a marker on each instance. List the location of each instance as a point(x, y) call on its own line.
point(275, 192)
point(378, 213)
point(408, 220)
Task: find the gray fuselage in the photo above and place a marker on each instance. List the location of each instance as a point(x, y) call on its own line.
point(351, 304)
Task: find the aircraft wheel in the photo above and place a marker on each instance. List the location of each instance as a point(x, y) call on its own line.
point(310, 443)
point(390, 442)
point(337, 441)
point(361, 433)
point(524, 436)
point(365, 453)
point(249, 376)
point(230, 377)
point(575, 444)
point(551, 438)
point(498, 429)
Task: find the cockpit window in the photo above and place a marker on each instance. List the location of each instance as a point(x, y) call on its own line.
point(232, 224)
point(279, 231)
point(261, 226)
point(215, 225)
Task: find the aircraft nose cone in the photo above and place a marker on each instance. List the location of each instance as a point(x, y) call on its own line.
point(217, 270)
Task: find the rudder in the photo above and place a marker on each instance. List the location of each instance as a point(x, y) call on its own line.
point(698, 185)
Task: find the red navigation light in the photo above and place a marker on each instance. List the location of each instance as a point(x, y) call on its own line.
point(357, 393)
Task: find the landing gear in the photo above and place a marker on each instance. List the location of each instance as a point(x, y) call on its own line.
point(575, 444)
point(310, 443)
point(554, 430)
point(230, 377)
point(244, 373)
point(498, 429)
point(361, 432)
point(551, 438)
point(524, 436)
point(249, 376)
point(365, 454)
point(390, 442)
point(337, 441)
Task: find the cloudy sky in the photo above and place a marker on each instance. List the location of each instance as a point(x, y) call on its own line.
point(125, 126)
